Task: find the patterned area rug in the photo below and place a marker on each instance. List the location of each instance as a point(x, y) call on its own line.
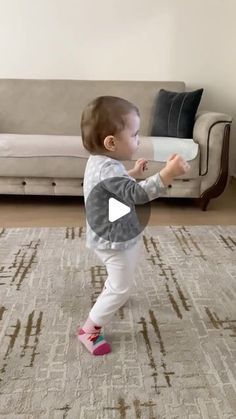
point(174, 342)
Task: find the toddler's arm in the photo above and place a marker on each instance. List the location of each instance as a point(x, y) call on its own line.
point(129, 190)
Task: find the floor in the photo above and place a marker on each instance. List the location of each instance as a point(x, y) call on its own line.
point(33, 211)
point(183, 325)
point(173, 342)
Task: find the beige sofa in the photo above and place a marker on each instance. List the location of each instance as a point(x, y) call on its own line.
point(41, 151)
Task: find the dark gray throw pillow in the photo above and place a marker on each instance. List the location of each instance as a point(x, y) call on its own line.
point(175, 112)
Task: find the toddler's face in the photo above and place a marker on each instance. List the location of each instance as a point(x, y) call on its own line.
point(127, 141)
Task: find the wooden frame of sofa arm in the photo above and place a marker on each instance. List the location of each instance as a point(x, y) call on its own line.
point(212, 119)
point(219, 186)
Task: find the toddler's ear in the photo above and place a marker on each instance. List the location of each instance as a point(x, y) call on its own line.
point(109, 143)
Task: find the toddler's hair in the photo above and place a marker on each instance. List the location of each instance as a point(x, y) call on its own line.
point(105, 115)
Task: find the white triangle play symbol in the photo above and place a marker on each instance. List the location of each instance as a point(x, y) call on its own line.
point(116, 209)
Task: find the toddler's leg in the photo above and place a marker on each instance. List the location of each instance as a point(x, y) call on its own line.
point(120, 267)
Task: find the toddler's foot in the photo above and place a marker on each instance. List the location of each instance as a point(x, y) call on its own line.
point(92, 339)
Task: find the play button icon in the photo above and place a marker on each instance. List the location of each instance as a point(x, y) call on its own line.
point(117, 210)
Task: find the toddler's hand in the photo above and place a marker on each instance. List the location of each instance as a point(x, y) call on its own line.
point(176, 165)
point(139, 168)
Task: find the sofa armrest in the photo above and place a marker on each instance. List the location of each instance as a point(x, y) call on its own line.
point(208, 132)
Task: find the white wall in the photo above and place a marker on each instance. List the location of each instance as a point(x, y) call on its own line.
point(189, 40)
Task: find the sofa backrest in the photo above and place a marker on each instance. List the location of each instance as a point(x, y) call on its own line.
point(55, 106)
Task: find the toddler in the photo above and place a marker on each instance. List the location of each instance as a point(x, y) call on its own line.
point(110, 129)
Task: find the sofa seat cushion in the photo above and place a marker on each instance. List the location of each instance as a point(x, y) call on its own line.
point(64, 156)
point(28, 155)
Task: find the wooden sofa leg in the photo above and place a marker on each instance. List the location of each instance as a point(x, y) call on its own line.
point(204, 203)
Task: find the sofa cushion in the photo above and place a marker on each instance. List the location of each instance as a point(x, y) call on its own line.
point(175, 113)
point(65, 157)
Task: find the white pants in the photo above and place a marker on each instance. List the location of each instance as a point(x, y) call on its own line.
point(120, 265)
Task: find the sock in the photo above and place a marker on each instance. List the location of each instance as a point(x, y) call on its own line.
point(90, 335)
